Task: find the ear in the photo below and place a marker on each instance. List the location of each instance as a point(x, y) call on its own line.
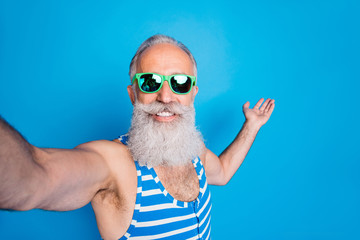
point(131, 94)
point(195, 90)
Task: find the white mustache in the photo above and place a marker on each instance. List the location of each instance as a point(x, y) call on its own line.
point(156, 107)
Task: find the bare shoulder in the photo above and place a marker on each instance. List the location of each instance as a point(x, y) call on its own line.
point(111, 151)
point(119, 160)
point(115, 154)
point(102, 146)
point(204, 155)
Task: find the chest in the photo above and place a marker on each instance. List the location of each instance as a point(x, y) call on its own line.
point(180, 182)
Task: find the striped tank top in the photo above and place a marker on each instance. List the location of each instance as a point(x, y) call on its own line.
point(157, 215)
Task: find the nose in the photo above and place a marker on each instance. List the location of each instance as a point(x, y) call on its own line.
point(165, 94)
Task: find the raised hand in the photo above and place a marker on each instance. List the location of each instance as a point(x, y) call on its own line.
point(261, 112)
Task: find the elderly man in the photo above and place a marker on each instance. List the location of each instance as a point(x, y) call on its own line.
point(151, 183)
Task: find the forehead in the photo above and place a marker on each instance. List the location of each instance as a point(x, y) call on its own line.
point(165, 59)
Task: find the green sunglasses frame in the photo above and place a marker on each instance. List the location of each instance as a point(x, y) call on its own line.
point(163, 79)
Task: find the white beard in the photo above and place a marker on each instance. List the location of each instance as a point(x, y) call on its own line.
point(153, 143)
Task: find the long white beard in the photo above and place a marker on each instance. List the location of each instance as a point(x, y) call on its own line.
point(153, 143)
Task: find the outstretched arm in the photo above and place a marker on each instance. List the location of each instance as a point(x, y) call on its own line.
point(219, 170)
point(52, 179)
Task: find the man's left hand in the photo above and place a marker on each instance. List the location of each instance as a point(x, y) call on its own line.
point(261, 113)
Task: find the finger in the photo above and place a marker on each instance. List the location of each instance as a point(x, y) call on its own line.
point(266, 103)
point(271, 109)
point(258, 104)
point(246, 105)
point(269, 105)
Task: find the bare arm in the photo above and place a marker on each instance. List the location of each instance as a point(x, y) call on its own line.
point(219, 170)
point(52, 179)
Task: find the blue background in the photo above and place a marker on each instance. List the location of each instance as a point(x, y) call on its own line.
point(63, 73)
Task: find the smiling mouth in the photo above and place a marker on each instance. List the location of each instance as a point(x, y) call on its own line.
point(164, 116)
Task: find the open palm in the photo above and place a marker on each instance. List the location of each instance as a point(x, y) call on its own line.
point(261, 113)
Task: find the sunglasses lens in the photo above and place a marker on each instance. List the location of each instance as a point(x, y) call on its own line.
point(150, 82)
point(181, 83)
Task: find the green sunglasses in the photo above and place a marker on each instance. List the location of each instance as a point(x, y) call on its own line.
point(152, 82)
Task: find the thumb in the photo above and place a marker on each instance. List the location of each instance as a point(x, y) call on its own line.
point(246, 105)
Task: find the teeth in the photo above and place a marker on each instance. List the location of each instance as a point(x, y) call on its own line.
point(165, 114)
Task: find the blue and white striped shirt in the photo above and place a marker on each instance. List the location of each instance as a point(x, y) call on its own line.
point(157, 215)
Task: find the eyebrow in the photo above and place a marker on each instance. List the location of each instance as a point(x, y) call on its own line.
point(176, 73)
point(172, 73)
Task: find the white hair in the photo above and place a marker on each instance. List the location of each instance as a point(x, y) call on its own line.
point(157, 39)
